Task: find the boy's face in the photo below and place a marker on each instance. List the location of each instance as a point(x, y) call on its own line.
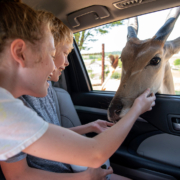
point(60, 61)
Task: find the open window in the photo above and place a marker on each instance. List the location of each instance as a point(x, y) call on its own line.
point(101, 49)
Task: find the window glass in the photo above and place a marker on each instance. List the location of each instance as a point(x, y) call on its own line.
point(101, 49)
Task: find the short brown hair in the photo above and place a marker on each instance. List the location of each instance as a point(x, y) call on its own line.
point(18, 20)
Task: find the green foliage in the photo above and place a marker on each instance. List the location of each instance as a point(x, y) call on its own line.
point(107, 72)
point(120, 63)
point(92, 61)
point(84, 57)
point(89, 71)
point(177, 62)
point(116, 75)
point(95, 56)
point(91, 57)
point(177, 92)
point(83, 37)
point(113, 53)
point(105, 75)
point(92, 76)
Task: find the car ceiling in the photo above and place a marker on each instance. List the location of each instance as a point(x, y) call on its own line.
point(62, 8)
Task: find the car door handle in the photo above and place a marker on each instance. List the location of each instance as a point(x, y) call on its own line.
point(176, 126)
point(100, 13)
point(176, 123)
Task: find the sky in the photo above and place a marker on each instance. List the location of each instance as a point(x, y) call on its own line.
point(116, 39)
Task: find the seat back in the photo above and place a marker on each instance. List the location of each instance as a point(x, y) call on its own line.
point(65, 109)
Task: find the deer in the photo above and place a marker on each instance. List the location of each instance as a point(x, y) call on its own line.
point(114, 64)
point(145, 65)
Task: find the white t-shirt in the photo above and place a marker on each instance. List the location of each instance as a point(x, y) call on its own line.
point(19, 125)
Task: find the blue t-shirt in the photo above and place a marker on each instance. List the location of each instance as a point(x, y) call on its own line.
point(45, 107)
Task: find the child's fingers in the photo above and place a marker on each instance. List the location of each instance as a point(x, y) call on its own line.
point(109, 124)
point(146, 92)
point(108, 171)
point(152, 98)
point(153, 104)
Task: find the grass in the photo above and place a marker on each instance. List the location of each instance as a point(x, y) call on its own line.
point(177, 62)
point(116, 75)
point(92, 61)
point(120, 63)
point(177, 92)
point(92, 76)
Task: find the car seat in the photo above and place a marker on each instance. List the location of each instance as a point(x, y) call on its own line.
point(65, 108)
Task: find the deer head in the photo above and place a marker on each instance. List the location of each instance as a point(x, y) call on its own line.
point(145, 65)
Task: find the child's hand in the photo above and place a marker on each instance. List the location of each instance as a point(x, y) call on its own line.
point(99, 126)
point(98, 173)
point(144, 102)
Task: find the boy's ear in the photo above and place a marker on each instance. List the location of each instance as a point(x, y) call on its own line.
point(18, 47)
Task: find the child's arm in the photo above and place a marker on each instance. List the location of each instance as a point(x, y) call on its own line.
point(21, 171)
point(64, 145)
point(97, 126)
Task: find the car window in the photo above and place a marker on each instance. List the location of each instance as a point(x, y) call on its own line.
point(101, 48)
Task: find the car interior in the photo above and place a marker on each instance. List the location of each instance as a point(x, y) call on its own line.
point(151, 149)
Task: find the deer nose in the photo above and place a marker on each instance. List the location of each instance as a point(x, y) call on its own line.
point(114, 112)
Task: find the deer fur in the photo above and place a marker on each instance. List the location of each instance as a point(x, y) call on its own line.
point(138, 69)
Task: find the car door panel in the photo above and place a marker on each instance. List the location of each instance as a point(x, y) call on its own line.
point(133, 153)
point(92, 105)
point(167, 107)
point(160, 147)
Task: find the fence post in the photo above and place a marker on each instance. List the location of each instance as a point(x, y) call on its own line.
point(102, 74)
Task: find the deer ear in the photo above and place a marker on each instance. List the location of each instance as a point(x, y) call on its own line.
point(171, 48)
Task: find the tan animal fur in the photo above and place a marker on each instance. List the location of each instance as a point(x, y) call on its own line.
point(138, 73)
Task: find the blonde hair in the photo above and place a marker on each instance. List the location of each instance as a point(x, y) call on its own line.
point(64, 34)
point(18, 20)
point(61, 33)
point(47, 18)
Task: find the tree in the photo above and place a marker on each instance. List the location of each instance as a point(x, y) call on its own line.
point(177, 62)
point(88, 35)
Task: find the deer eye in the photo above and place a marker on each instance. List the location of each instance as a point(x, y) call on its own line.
point(155, 61)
